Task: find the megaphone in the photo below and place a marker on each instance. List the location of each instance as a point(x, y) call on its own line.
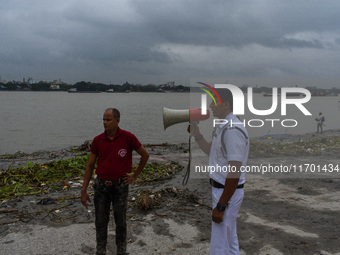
point(171, 116)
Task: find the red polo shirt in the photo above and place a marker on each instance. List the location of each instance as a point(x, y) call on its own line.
point(114, 157)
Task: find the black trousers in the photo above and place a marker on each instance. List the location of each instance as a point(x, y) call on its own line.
point(103, 197)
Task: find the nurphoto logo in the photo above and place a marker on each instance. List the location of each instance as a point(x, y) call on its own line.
point(239, 104)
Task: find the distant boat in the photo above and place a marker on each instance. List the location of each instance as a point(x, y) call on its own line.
point(324, 95)
point(269, 94)
point(317, 94)
point(288, 94)
point(295, 94)
point(112, 91)
point(72, 90)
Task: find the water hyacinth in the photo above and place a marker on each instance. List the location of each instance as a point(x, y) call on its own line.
point(57, 175)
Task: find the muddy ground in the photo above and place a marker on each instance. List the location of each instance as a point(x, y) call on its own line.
point(279, 215)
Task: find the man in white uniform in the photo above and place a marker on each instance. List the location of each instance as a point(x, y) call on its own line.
point(227, 152)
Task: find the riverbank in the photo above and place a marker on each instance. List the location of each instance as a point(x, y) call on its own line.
point(278, 216)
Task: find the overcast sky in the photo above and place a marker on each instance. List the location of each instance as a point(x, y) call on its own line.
point(156, 41)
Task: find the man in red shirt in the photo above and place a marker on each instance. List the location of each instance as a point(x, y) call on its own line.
point(113, 152)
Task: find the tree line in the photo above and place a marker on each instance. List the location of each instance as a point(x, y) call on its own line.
point(92, 87)
point(127, 87)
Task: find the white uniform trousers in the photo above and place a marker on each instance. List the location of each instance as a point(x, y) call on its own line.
point(224, 239)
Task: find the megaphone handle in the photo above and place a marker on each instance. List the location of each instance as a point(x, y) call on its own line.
point(192, 122)
point(187, 174)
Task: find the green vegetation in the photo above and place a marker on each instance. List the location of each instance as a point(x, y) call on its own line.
point(37, 178)
point(157, 171)
point(57, 175)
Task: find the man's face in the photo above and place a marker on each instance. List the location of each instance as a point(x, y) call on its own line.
point(219, 110)
point(110, 123)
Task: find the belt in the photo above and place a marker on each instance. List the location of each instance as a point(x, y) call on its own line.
point(218, 185)
point(111, 182)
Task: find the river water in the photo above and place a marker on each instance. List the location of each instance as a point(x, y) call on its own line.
point(33, 121)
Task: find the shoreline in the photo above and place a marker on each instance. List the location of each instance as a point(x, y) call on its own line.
point(278, 215)
point(265, 138)
point(19, 158)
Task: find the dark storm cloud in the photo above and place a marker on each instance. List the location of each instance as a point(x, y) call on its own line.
point(156, 41)
point(238, 23)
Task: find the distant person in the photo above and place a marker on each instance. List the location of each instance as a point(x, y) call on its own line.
point(229, 150)
point(319, 126)
point(113, 152)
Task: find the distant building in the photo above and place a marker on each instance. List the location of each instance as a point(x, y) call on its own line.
point(171, 84)
point(54, 86)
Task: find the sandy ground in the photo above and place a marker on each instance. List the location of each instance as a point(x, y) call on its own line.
point(279, 215)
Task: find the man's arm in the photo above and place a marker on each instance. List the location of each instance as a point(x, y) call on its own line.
point(87, 178)
point(230, 186)
point(144, 158)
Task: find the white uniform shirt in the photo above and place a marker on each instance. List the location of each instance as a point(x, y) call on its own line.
point(236, 143)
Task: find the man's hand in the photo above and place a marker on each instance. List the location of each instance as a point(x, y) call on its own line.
point(129, 179)
point(85, 198)
point(217, 216)
point(194, 130)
